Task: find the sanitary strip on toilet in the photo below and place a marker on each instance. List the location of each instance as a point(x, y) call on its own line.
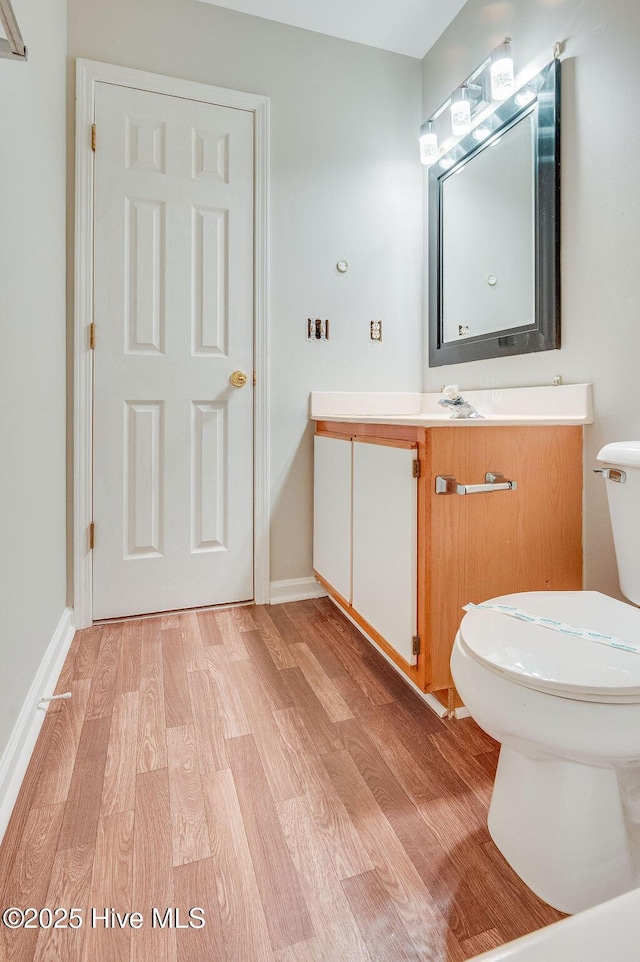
point(560, 626)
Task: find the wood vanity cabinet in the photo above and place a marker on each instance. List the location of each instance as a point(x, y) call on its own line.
point(402, 560)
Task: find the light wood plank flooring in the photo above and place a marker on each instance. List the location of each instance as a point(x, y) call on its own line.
point(266, 765)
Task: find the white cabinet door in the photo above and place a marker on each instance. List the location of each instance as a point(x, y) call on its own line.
point(332, 512)
point(385, 532)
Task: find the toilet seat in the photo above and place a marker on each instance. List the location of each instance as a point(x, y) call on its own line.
point(536, 657)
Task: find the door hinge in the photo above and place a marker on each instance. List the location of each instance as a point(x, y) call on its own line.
point(92, 336)
point(93, 137)
point(255, 378)
point(415, 645)
point(416, 469)
point(92, 535)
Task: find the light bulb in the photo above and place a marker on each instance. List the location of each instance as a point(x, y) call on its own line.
point(447, 162)
point(481, 132)
point(460, 112)
point(428, 144)
point(525, 96)
point(502, 77)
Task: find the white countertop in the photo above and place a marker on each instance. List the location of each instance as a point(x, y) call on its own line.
point(564, 404)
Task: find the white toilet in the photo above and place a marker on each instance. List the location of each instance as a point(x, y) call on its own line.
point(565, 810)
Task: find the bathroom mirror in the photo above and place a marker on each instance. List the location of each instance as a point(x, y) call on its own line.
point(11, 43)
point(494, 217)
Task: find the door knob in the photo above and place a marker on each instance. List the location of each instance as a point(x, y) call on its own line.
point(238, 379)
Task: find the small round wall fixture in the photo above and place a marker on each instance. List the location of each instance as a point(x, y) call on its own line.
point(342, 267)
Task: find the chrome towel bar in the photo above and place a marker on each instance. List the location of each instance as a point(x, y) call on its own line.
point(447, 484)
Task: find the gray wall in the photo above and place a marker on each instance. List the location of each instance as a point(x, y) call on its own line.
point(32, 350)
point(346, 184)
point(600, 216)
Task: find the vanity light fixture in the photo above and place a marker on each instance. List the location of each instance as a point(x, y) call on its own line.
point(503, 82)
point(428, 144)
point(481, 132)
point(525, 96)
point(460, 112)
point(493, 80)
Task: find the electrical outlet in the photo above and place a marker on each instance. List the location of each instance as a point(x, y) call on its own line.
point(375, 331)
point(317, 329)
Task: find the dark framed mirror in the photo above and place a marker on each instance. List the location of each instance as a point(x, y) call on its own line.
point(11, 43)
point(494, 232)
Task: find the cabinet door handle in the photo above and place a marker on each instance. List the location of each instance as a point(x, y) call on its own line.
point(447, 484)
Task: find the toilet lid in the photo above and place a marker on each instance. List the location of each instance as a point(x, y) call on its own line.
point(547, 660)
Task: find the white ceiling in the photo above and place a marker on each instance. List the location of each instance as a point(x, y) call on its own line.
point(404, 26)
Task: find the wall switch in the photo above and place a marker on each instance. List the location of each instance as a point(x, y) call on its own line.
point(317, 329)
point(375, 331)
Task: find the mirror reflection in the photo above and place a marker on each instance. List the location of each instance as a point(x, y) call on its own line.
point(488, 237)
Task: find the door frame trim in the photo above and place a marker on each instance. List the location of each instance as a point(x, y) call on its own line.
point(88, 74)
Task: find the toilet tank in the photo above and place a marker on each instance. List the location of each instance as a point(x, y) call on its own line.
point(623, 493)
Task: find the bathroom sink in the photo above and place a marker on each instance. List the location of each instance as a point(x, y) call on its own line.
point(562, 404)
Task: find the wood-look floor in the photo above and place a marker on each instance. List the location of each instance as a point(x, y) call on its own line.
point(265, 764)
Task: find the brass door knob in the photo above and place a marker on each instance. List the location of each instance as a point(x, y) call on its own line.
point(238, 379)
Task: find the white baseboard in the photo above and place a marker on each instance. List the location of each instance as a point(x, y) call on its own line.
point(462, 712)
point(440, 710)
point(298, 589)
point(435, 705)
point(17, 754)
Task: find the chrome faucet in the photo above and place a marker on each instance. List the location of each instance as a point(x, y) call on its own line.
point(459, 407)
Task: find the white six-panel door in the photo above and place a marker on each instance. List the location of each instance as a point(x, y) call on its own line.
point(173, 439)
